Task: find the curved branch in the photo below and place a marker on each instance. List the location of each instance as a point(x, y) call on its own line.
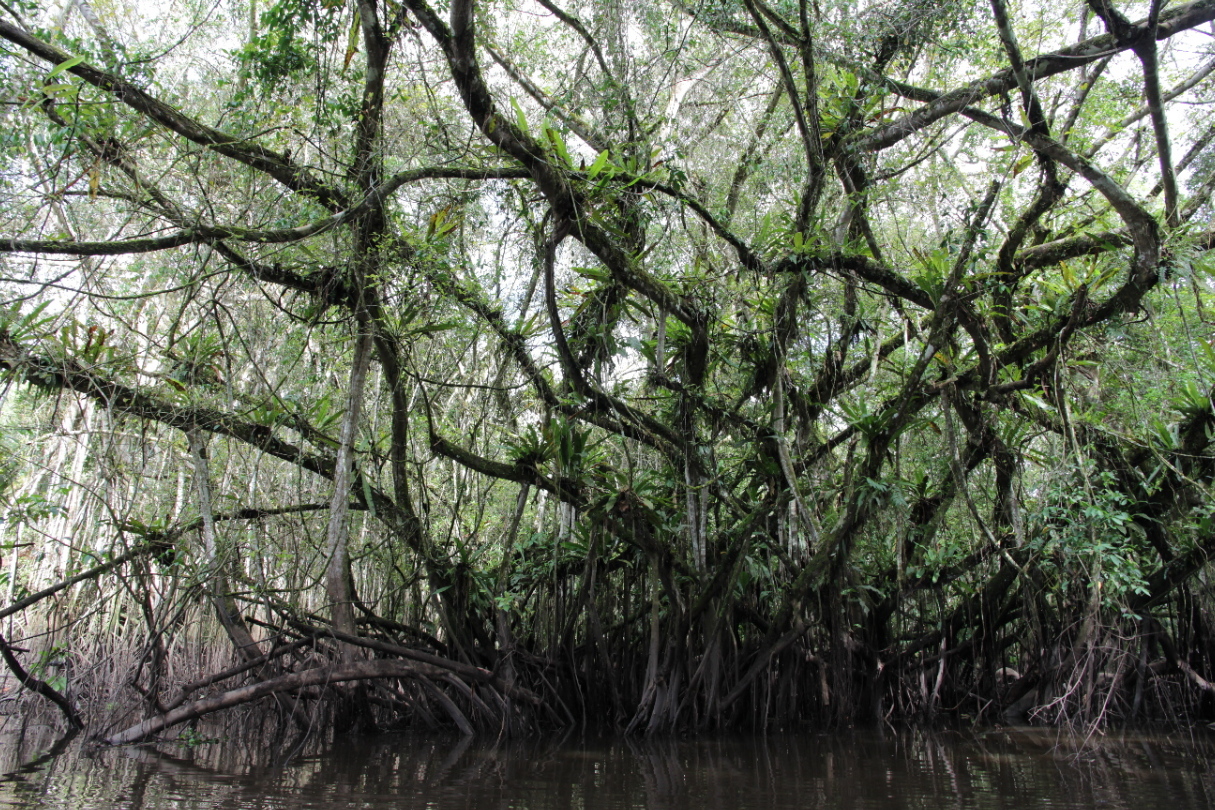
point(569, 205)
point(1171, 22)
point(1147, 54)
point(275, 164)
point(320, 676)
point(210, 234)
point(39, 686)
point(808, 125)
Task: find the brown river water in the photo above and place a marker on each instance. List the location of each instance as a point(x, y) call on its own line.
point(1003, 768)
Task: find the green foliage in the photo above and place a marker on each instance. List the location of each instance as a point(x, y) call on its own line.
point(50, 667)
point(1085, 530)
point(190, 737)
point(294, 32)
point(196, 360)
point(24, 327)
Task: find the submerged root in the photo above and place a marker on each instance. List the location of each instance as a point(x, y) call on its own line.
point(318, 676)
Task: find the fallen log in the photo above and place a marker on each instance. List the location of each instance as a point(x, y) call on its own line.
point(320, 676)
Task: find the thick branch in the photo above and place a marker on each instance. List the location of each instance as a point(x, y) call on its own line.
point(320, 676)
point(1171, 22)
point(569, 205)
point(39, 686)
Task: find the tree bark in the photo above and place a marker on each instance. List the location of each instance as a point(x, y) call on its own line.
point(339, 584)
point(226, 608)
point(320, 676)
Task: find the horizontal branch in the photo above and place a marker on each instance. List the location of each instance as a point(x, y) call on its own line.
point(1171, 22)
point(92, 573)
point(519, 472)
point(275, 164)
point(209, 234)
point(1089, 244)
point(886, 278)
point(121, 247)
point(51, 375)
point(467, 671)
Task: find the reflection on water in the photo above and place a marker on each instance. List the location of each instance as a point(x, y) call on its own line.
point(998, 769)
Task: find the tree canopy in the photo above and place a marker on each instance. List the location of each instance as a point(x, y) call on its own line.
point(671, 364)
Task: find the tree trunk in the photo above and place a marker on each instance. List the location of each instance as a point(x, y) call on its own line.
point(226, 609)
point(339, 583)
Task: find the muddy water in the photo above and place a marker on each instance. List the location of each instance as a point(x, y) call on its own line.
point(1000, 769)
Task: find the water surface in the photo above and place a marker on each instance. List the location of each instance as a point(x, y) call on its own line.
point(912, 769)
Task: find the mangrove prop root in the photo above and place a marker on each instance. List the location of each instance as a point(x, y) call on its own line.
point(319, 676)
point(464, 670)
